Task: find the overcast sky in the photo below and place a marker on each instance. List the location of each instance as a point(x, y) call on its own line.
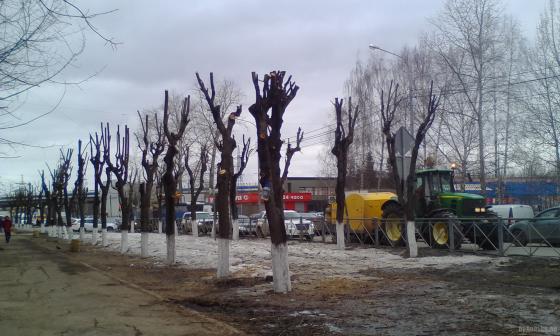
point(165, 42)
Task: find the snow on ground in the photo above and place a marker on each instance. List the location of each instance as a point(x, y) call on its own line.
point(251, 257)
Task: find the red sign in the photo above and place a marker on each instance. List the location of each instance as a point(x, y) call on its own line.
point(297, 197)
point(252, 198)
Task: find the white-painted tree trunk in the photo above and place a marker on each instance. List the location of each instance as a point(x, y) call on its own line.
point(144, 236)
point(194, 228)
point(43, 228)
point(411, 239)
point(104, 241)
point(124, 241)
point(94, 236)
point(235, 226)
point(70, 232)
point(159, 226)
point(223, 258)
point(170, 240)
point(82, 234)
point(281, 282)
point(131, 226)
point(340, 236)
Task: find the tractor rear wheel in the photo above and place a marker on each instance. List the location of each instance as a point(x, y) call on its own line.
point(393, 225)
point(437, 231)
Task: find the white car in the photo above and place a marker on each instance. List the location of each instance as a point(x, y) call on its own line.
point(88, 225)
point(296, 225)
point(512, 212)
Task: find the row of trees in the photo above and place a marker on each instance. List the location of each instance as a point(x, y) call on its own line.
point(166, 151)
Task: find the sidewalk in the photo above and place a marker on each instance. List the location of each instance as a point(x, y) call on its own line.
point(43, 292)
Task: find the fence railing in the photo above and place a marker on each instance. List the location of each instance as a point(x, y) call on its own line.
point(528, 236)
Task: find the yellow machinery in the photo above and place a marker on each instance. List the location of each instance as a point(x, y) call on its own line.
point(361, 209)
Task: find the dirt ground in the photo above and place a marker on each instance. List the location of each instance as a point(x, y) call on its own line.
point(513, 296)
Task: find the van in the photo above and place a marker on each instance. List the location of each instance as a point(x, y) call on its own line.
point(512, 212)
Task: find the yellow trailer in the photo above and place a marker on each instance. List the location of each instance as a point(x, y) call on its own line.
point(361, 209)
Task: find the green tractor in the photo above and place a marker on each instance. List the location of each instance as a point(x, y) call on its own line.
point(437, 205)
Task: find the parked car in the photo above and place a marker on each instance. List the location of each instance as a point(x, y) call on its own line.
point(204, 220)
point(88, 225)
point(316, 218)
point(543, 228)
point(296, 225)
point(246, 227)
point(258, 220)
point(512, 212)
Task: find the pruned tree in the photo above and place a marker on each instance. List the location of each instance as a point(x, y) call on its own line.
point(80, 191)
point(66, 171)
point(196, 190)
point(120, 169)
point(342, 140)
point(405, 190)
point(48, 201)
point(104, 186)
point(169, 180)
point(151, 146)
point(225, 145)
point(97, 162)
point(277, 93)
point(243, 159)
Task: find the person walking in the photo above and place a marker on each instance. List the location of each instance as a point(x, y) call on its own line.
point(7, 226)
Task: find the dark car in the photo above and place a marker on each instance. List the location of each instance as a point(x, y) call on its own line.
point(544, 228)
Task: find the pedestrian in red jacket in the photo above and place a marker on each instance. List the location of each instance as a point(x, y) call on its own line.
point(7, 226)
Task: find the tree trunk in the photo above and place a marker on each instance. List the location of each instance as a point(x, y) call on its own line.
point(144, 245)
point(223, 258)
point(280, 268)
point(194, 227)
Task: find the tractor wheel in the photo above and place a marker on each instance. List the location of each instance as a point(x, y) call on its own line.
point(393, 225)
point(437, 232)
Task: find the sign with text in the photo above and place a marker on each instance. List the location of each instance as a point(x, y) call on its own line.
point(246, 198)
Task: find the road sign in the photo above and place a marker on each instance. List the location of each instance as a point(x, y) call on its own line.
point(403, 141)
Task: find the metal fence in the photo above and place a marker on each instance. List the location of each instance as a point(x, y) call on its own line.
point(527, 237)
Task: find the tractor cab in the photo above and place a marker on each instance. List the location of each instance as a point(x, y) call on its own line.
point(430, 184)
point(435, 190)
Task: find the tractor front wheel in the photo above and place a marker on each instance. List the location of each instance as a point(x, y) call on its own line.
point(393, 225)
point(437, 231)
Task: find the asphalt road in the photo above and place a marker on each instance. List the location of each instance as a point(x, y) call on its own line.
point(44, 292)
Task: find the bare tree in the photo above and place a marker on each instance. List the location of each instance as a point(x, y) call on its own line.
point(342, 140)
point(225, 145)
point(80, 191)
point(405, 191)
point(151, 147)
point(97, 162)
point(120, 168)
point(39, 40)
point(471, 30)
point(169, 180)
point(194, 190)
point(104, 186)
point(65, 171)
point(277, 93)
point(243, 159)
